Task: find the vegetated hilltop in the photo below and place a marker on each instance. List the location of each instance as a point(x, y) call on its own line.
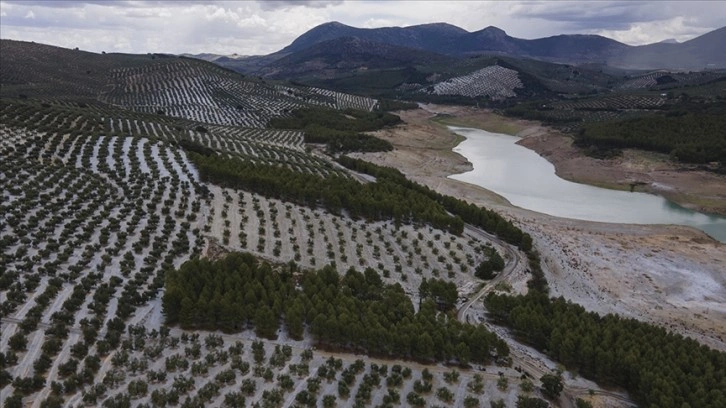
point(166, 85)
point(39, 69)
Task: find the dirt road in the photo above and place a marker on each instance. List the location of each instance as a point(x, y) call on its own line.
point(526, 359)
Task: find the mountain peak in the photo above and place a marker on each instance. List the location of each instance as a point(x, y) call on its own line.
point(439, 26)
point(493, 30)
point(491, 34)
point(332, 24)
point(322, 33)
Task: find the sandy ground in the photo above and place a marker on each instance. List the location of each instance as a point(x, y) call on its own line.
point(668, 275)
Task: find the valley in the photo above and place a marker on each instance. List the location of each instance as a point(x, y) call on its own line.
point(590, 263)
point(173, 233)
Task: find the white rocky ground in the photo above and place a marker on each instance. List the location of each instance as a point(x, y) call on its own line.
point(674, 277)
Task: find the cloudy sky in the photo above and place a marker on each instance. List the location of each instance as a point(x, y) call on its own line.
point(262, 27)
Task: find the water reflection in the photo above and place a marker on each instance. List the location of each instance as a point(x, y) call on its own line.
point(529, 181)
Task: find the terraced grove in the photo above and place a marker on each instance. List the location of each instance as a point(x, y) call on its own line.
point(187, 89)
point(286, 232)
point(91, 222)
point(493, 81)
point(171, 368)
point(99, 200)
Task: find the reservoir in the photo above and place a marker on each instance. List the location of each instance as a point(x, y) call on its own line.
point(529, 181)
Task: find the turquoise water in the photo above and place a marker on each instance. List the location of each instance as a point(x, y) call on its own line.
point(529, 181)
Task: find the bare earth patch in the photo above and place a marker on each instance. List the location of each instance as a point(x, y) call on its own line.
point(667, 275)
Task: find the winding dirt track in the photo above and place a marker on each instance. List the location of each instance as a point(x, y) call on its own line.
point(531, 363)
point(513, 258)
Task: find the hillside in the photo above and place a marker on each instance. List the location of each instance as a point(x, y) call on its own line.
point(162, 245)
point(494, 82)
point(157, 84)
point(342, 55)
point(158, 161)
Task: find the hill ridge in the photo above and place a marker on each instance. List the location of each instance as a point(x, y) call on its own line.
point(446, 39)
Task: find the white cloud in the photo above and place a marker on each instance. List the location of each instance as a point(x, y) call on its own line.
point(380, 22)
point(287, 4)
point(677, 28)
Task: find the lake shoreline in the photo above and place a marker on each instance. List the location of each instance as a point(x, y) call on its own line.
point(529, 181)
point(635, 170)
point(653, 273)
point(424, 151)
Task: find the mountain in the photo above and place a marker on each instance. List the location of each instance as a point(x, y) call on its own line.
point(454, 42)
point(395, 56)
point(428, 37)
point(328, 58)
point(571, 48)
point(437, 37)
point(447, 39)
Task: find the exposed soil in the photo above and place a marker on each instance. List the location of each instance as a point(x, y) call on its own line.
point(667, 275)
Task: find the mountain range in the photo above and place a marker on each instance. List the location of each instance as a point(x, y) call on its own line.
point(333, 48)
